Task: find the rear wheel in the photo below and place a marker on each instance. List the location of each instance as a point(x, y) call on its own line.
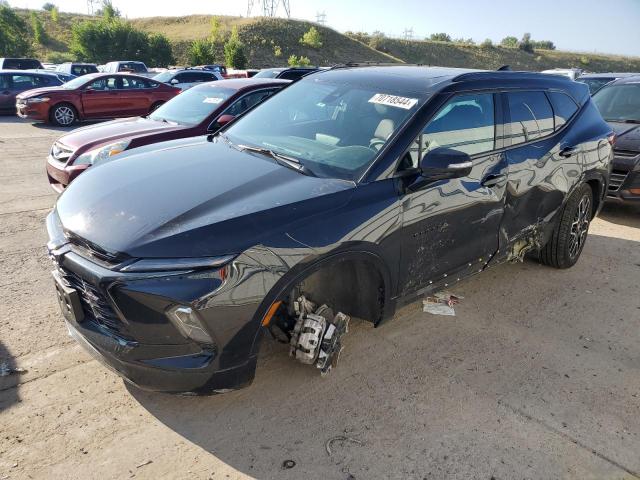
point(63, 115)
point(570, 234)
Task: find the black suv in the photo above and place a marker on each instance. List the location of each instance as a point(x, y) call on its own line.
point(20, 64)
point(348, 193)
point(619, 104)
point(293, 73)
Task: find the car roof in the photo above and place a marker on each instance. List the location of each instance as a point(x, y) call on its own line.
point(38, 71)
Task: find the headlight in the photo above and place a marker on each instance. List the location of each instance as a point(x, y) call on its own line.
point(101, 153)
point(36, 100)
point(172, 264)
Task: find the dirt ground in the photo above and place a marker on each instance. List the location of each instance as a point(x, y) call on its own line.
point(538, 376)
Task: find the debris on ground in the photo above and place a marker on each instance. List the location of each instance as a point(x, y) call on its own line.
point(288, 464)
point(6, 370)
point(343, 438)
point(441, 303)
point(144, 463)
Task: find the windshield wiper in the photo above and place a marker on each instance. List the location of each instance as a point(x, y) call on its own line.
point(284, 160)
point(622, 120)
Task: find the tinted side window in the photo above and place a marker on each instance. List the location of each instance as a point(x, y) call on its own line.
point(531, 116)
point(5, 82)
point(24, 82)
point(563, 107)
point(248, 101)
point(292, 74)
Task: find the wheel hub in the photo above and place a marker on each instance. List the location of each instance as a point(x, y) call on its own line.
point(580, 226)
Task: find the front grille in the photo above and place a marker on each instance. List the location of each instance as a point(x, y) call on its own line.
point(616, 179)
point(625, 153)
point(94, 303)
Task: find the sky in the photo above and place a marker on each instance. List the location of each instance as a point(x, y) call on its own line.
point(604, 26)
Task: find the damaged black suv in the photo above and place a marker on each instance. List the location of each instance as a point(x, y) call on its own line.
point(348, 193)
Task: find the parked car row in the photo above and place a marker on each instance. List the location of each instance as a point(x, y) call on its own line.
point(347, 193)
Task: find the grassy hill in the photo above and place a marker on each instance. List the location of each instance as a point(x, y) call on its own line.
point(266, 37)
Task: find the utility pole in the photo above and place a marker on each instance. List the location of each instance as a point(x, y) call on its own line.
point(408, 33)
point(91, 6)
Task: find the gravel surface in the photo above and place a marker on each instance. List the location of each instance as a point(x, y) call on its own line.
point(537, 376)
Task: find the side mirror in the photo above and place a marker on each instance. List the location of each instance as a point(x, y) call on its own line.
point(174, 81)
point(442, 164)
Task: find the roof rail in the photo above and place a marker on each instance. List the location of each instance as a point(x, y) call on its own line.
point(504, 74)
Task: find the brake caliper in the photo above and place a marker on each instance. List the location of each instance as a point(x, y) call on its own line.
point(317, 335)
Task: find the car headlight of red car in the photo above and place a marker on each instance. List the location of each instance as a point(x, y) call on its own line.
point(101, 153)
point(33, 100)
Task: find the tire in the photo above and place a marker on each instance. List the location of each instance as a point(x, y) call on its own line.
point(155, 106)
point(63, 115)
point(570, 234)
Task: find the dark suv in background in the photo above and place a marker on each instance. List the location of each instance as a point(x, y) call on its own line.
point(619, 104)
point(293, 73)
point(20, 64)
point(77, 69)
point(595, 81)
point(348, 193)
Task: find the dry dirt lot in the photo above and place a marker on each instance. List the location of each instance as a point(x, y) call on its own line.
point(538, 376)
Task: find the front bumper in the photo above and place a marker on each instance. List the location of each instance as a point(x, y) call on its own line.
point(123, 321)
point(60, 175)
point(624, 181)
point(36, 111)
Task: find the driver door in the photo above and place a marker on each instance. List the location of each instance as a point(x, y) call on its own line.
point(101, 99)
point(450, 227)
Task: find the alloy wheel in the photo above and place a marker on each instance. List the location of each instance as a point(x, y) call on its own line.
point(579, 226)
point(64, 115)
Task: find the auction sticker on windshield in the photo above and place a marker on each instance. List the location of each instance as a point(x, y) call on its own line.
point(214, 100)
point(393, 101)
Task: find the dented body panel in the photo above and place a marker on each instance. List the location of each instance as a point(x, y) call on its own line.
point(363, 247)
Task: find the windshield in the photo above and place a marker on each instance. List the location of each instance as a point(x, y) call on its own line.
point(267, 73)
point(164, 77)
point(334, 130)
point(76, 83)
point(192, 106)
point(595, 84)
point(619, 102)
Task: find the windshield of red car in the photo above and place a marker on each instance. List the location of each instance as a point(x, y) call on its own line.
point(192, 106)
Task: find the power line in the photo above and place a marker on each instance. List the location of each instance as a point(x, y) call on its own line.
point(408, 33)
point(321, 18)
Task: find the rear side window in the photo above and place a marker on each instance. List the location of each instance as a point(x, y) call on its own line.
point(245, 103)
point(531, 116)
point(563, 107)
point(24, 82)
point(79, 70)
point(20, 64)
point(293, 74)
point(4, 82)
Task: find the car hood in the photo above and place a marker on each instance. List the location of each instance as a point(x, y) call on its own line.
point(627, 136)
point(40, 91)
point(107, 132)
point(192, 197)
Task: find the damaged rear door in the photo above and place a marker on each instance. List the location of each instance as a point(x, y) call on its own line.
point(451, 227)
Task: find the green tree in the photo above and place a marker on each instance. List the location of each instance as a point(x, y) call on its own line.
point(160, 51)
point(277, 51)
point(440, 37)
point(55, 14)
point(216, 31)
point(509, 42)
point(13, 41)
point(102, 41)
point(526, 44)
point(234, 55)
point(312, 38)
point(108, 11)
point(544, 45)
point(487, 43)
point(48, 6)
point(376, 41)
point(39, 35)
point(200, 52)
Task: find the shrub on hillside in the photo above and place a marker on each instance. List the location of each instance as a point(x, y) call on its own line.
point(300, 61)
point(526, 45)
point(440, 37)
point(39, 35)
point(487, 43)
point(509, 42)
point(200, 52)
point(234, 55)
point(312, 38)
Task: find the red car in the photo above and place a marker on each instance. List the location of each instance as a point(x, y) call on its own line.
point(99, 95)
point(198, 111)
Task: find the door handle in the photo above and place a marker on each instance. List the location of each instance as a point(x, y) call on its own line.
point(493, 180)
point(566, 152)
